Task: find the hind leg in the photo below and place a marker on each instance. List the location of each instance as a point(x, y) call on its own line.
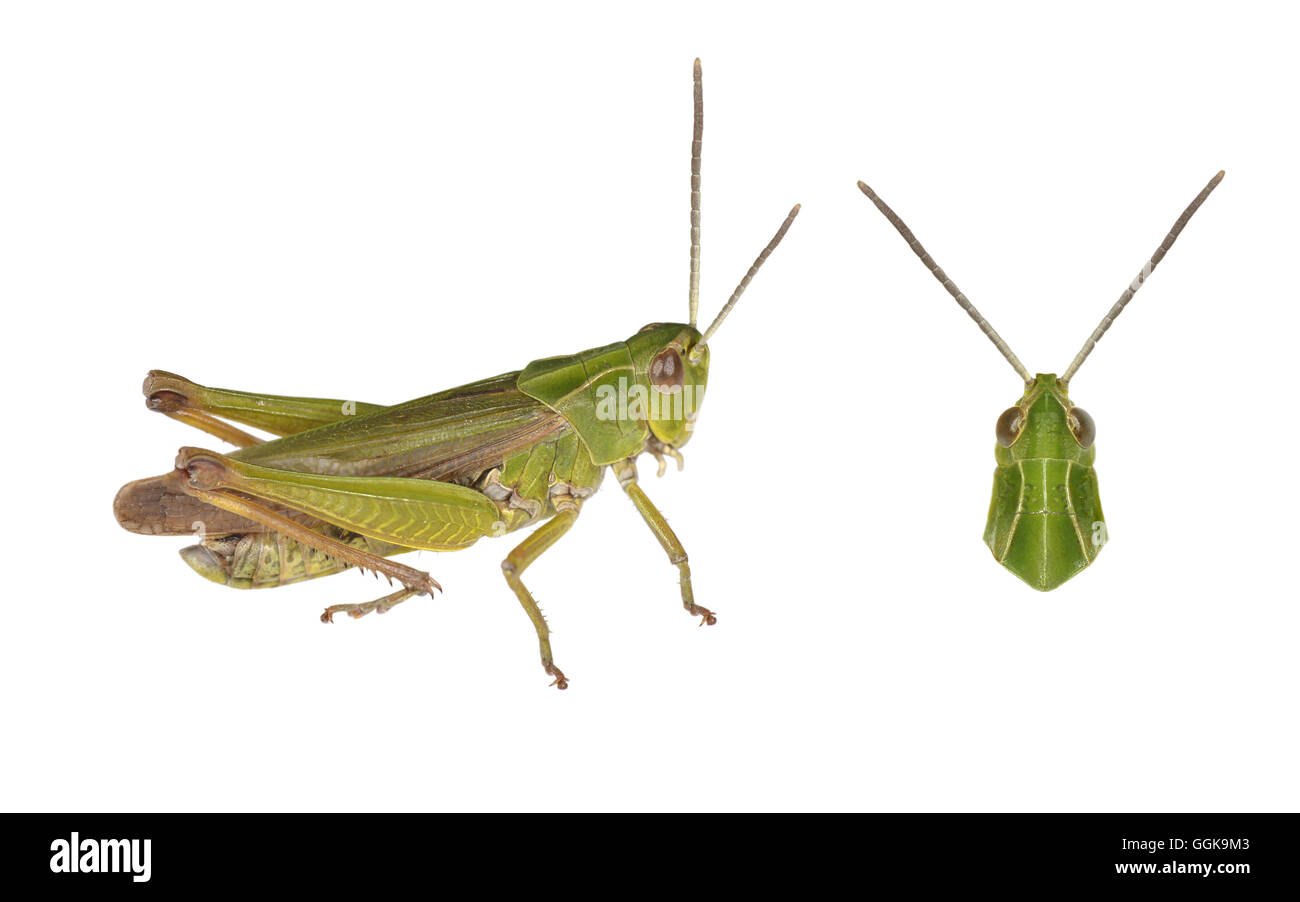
point(204, 408)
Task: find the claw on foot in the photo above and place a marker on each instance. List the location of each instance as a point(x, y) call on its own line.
point(560, 681)
point(707, 617)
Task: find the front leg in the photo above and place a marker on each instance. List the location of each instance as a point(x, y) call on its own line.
point(626, 473)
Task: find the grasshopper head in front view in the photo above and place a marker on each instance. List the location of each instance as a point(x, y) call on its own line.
point(1045, 523)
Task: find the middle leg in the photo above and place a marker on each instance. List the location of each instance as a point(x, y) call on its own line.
point(529, 550)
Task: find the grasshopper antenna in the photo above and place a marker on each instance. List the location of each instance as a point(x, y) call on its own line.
point(749, 276)
point(1146, 271)
point(697, 144)
point(947, 282)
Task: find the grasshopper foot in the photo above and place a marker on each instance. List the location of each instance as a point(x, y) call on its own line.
point(425, 585)
point(378, 606)
point(560, 681)
point(707, 617)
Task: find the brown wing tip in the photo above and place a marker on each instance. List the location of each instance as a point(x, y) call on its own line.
point(142, 506)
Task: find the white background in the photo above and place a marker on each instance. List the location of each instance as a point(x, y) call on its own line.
point(380, 201)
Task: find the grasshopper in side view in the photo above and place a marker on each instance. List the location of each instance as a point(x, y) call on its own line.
point(1045, 523)
point(351, 484)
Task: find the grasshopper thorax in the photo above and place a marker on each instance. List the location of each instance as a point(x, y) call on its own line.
point(624, 396)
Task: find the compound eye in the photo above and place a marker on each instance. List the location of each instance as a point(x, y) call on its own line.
point(667, 371)
point(1083, 427)
point(1009, 426)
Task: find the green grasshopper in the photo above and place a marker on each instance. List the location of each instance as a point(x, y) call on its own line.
point(1045, 523)
point(350, 484)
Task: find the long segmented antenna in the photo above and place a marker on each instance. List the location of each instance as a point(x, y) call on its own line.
point(744, 283)
point(1141, 278)
point(697, 144)
point(946, 282)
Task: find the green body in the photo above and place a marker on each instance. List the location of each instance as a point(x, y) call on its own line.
point(501, 454)
point(350, 484)
point(1045, 522)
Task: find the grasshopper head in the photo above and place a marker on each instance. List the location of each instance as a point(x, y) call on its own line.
point(672, 359)
point(675, 365)
point(1042, 419)
point(1045, 522)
